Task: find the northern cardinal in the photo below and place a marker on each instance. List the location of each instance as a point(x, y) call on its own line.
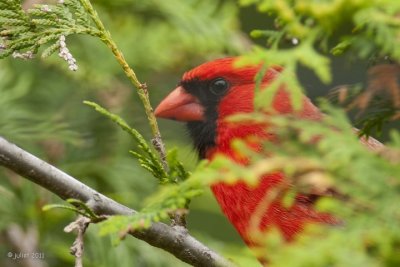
point(205, 97)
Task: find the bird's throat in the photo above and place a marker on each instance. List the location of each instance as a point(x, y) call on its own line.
point(203, 135)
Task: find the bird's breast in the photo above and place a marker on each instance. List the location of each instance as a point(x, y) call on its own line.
point(245, 206)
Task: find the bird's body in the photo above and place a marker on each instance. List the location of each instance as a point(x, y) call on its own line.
point(206, 96)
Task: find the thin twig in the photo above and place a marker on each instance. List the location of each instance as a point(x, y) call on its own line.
point(142, 91)
point(80, 225)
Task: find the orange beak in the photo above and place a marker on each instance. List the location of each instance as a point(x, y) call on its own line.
point(181, 106)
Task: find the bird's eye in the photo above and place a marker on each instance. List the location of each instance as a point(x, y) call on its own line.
point(218, 86)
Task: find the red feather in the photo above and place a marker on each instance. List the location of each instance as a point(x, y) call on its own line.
point(239, 201)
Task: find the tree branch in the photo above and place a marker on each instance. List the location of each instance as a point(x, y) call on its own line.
point(176, 240)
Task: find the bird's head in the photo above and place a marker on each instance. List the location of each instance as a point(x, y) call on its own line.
point(209, 93)
point(215, 87)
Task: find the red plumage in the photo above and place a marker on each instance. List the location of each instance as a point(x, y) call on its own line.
point(239, 201)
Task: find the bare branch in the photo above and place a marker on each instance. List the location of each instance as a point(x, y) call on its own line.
point(176, 240)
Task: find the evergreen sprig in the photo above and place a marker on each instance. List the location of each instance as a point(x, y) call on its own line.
point(169, 199)
point(146, 156)
point(78, 206)
point(172, 198)
point(23, 32)
point(364, 29)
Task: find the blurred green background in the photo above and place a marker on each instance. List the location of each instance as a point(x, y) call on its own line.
point(41, 110)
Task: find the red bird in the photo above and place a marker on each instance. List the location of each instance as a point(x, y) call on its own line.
point(205, 97)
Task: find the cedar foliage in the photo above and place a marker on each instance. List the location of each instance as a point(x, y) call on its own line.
point(369, 180)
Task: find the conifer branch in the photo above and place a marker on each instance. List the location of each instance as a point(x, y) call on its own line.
point(176, 240)
point(142, 91)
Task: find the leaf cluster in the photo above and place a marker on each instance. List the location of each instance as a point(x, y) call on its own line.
point(364, 27)
point(318, 29)
point(23, 32)
point(176, 189)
